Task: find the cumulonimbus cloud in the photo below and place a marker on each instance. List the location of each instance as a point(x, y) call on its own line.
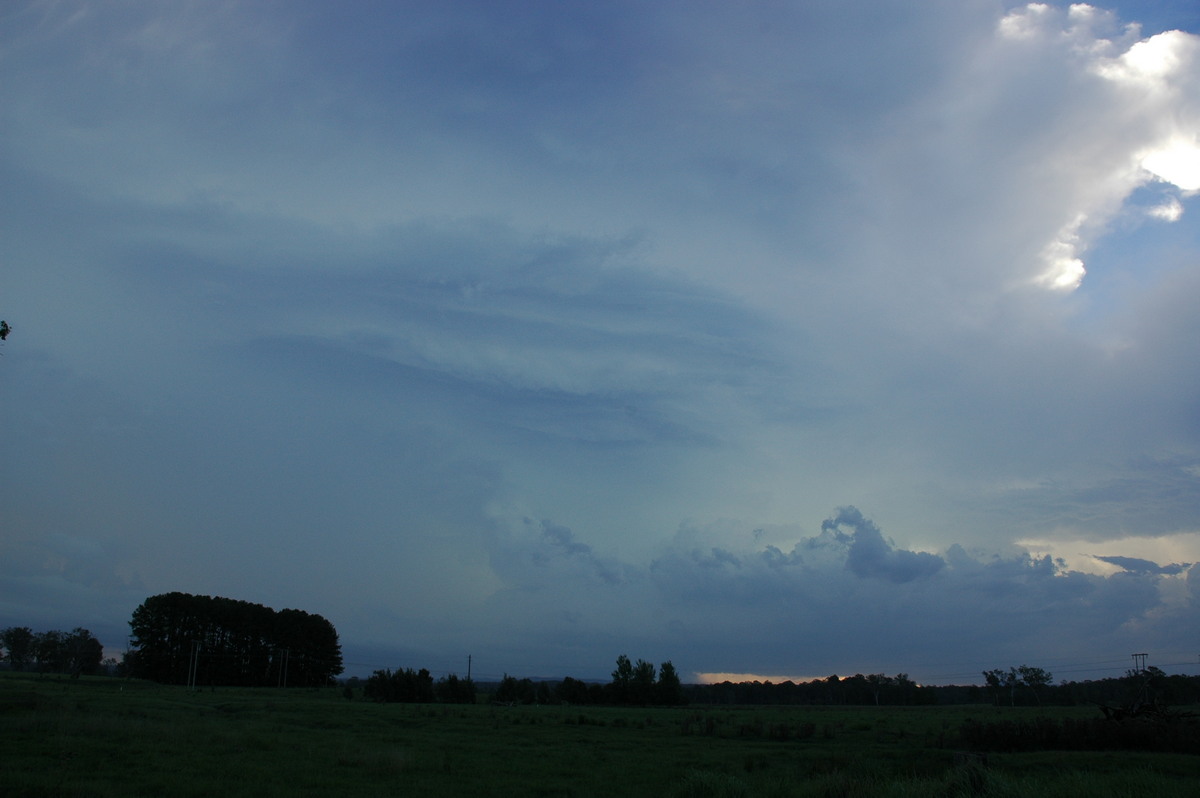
point(1139, 117)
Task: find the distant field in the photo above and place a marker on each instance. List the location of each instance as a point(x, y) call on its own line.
point(108, 737)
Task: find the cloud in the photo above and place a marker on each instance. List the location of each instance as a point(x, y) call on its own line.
point(1062, 108)
point(1136, 565)
point(813, 606)
point(1169, 211)
point(467, 326)
point(871, 555)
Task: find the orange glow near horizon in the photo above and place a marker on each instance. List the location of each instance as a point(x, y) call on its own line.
point(717, 678)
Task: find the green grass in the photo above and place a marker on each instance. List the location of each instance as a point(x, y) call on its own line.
point(107, 737)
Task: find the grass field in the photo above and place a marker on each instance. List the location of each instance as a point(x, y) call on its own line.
point(110, 737)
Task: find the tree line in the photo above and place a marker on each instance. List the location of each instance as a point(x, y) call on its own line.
point(417, 687)
point(1035, 680)
point(639, 684)
point(1146, 685)
point(76, 652)
point(633, 684)
point(876, 689)
point(1015, 686)
point(179, 638)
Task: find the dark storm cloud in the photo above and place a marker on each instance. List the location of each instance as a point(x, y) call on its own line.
point(871, 555)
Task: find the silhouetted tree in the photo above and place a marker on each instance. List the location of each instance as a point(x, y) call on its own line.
point(877, 683)
point(49, 652)
point(622, 681)
point(1035, 679)
point(515, 691)
point(641, 684)
point(82, 652)
point(453, 690)
point(239, 643)
point(76, 652)
point(669, 691)
point(1024, 676)
point(403, 687)
point(18, 646)
point(572, 691)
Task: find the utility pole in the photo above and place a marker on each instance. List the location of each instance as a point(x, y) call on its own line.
point(194, 664)
point(468, 667)
point(1139, 663)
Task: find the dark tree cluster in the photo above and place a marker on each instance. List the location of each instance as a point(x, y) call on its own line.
point(639, 684)
point(1135, 687)
point(876, 689)
point(417, 687)
point(512, 690)
point(76, 652)
point(453, 690)
point(1025, 677)
point(400, 686)
point(180, 638)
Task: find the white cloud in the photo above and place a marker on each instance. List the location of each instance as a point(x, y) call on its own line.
point(1163, 70)
point(1155, 64)
point(1169, 211)
point(1139, 123)
point(1026, 23)
point(1177, 161)
point(1064, 269)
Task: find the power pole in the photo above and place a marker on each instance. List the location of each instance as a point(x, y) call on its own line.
point(468, 667)
point(1139, 663)
point(194, 664)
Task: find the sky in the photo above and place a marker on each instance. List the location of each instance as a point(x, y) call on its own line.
point(769, 338)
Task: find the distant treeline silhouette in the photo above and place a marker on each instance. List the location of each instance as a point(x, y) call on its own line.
point(179, 638)
point(76, 652)
point(417, 687)
point(639, 684)
point(876, 689)
point(899, 690)
point(633, 684)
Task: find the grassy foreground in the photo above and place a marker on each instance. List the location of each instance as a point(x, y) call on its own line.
point(109, 737)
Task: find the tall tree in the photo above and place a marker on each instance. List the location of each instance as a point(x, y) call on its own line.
point(1035, 679)
point(622, 680)
point(994, 680)
point(400, 686)
point(572, 691)
point(231, 642)
point(453, 690)
point(18, 646)
point(1023, 676)
point(50, 652)
point(669, 689)
point(878, 682)
point(82, 652)
point(641, 686)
